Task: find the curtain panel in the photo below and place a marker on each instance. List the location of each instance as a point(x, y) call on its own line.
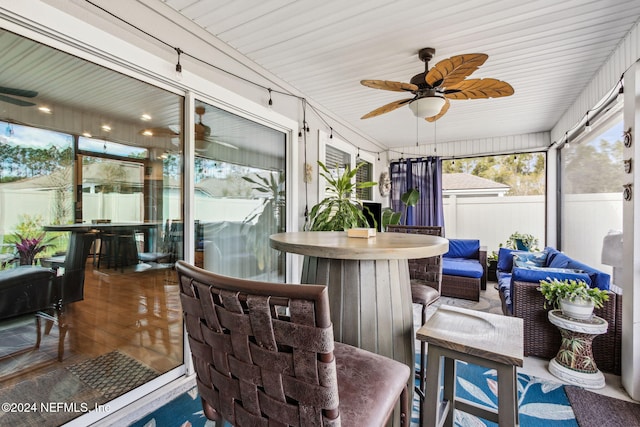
point(425, 175)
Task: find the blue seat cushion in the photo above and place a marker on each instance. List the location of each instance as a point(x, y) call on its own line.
point(504, 287)
point(462, 267)
point(535, 274)
point(463, 248)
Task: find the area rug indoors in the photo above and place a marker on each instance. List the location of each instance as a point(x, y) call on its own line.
point(80, 387)
point(542, 403)
point(595, 410)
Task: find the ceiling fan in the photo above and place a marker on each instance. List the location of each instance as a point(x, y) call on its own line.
point(17, 92)
point(433, 88)
point(202, 132)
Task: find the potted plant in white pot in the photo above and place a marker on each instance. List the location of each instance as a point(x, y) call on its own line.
point(574, 297)
point(339, 211)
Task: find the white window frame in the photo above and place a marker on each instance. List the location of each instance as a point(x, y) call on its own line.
point(324, 140)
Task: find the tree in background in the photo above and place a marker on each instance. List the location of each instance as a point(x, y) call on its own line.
point(523, 173)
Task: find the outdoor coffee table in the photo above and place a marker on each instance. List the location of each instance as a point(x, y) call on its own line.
point(484, 339)
point(575, 363)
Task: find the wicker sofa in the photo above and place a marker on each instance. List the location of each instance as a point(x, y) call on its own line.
point(520, 297)
point(464, 269)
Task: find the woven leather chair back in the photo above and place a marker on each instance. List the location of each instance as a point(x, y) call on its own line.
point(428, 270)
point(260, 348)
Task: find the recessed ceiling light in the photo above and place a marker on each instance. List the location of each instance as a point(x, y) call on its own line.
point(147, 132)
point(145, 117)
point(45, 110)
point(106, 128)
point(86, 134)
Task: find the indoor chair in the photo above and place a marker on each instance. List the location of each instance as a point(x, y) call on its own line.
point(426, 281)
point(264, 354)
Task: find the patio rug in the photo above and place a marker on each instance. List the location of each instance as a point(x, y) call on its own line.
point(66, 393)
point(542, 403)
point(596, 410)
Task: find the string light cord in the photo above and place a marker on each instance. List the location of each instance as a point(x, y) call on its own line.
point(234, 75)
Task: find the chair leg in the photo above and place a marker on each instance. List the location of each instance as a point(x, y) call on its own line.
point(423, 363)
point(405, 409)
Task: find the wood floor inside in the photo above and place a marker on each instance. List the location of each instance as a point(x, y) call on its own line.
point(135, 312)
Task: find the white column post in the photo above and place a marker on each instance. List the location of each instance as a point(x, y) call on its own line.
point(631, 240)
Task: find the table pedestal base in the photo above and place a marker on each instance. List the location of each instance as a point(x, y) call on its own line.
point(587, 380)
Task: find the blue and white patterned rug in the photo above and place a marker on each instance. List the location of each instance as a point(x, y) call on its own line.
point(542, 403)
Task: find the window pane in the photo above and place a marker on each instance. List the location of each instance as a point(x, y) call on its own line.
point(239, 196)
point(120, 293)
point(364, 174)
point(592, 174)
point(489, 198)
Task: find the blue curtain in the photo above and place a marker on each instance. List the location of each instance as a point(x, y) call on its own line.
point(425, 175)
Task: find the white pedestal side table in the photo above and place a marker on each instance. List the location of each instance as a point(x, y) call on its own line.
point(574, 362)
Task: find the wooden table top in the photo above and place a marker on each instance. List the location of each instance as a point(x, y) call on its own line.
point(487, 335)
point(336, 245)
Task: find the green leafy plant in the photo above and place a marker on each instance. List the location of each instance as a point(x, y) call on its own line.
point(520, 241)
point(555, 290)
point(408, 198)
point(266, 219)
point(339, 211)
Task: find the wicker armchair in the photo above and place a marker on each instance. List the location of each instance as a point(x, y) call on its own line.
point(542, 339)
point(264, 354)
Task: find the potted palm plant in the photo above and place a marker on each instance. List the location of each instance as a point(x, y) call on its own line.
point(339, 211)
point(574, 297)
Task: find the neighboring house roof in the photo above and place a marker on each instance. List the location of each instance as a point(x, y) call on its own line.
point(467, 184)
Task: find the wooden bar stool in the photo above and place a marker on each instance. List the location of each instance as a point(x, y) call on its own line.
point(484, 339)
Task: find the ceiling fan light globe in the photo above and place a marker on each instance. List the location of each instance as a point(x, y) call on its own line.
point(428, 106)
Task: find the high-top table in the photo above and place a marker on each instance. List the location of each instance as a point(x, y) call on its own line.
point(368, 284)
point(77, 230)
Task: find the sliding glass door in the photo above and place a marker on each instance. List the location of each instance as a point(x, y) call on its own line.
point(239, 195)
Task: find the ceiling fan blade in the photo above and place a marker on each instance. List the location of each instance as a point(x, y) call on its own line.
point(389, 85)
point(443, 110)
point(387, 108)
point(15, 101)
point(451, 71)
point(18, 92)
point(478, 89)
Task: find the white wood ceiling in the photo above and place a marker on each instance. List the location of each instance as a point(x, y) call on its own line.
point(548, 50)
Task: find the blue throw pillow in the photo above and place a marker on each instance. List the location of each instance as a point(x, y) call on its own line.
point(505, 259)
point(529, 259)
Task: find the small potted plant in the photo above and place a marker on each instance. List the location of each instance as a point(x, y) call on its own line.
point(574, 297)
point(522, 242)
point(29, 247)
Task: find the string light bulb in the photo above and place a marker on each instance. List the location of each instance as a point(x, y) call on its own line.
point(178, 65)
point(331, 133)
point(587, 125)
point(270, 100)
point(620, 96)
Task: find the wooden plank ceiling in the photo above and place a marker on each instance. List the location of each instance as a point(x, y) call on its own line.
point(546, 49)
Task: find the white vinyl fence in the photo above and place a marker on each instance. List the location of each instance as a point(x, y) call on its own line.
point(493, 219)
